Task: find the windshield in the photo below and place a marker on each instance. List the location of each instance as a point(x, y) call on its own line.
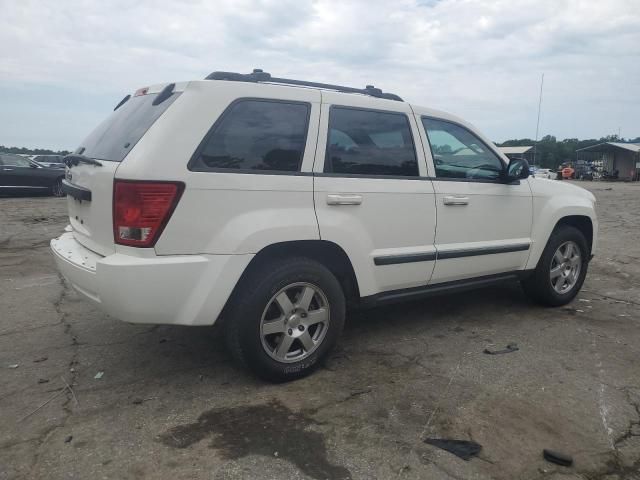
point(114, 138)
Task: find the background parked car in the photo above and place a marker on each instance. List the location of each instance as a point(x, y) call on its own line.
point(51, 161)
point(20, 174)
point(544, 173)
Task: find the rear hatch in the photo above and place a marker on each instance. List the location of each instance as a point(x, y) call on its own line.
point(92, 168)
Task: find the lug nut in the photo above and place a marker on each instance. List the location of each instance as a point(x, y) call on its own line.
point(289, 331)
point(303, 315)
point(301, 328)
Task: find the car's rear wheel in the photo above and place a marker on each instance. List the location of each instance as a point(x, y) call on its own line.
point(284, 318)
point(56, 188)
point(561, 269)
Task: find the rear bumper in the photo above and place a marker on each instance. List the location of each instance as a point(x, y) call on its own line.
point(176, 289)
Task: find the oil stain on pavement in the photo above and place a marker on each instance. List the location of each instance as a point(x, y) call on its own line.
point(268, 430)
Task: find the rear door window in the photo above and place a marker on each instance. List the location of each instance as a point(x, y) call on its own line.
point(367, 142)
point(256, 134)
point(114, 138)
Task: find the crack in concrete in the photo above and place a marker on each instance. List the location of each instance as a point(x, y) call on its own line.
point(632, 423)
point(67, 410)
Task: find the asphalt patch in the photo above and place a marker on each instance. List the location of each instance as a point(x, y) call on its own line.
point(270, 430)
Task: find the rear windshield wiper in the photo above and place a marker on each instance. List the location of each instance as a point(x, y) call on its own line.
point(75, 158)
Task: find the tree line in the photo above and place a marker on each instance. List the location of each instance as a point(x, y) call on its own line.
point(33, 151)
point(550, 152)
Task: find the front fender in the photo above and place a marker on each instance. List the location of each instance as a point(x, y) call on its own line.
point(548, 211)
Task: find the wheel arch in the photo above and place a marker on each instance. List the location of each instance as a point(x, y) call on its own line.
point(584, 220)
point(329, 254)
point(580, 222)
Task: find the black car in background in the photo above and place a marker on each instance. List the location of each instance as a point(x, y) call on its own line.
point(22, 175)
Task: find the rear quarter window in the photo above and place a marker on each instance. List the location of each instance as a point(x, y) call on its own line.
point(114, 138)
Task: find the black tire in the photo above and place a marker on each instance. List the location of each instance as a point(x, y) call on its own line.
point(252, 296)
point(538, 286)
point(56, 188)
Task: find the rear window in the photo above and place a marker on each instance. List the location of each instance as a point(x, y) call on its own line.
point(114, 138)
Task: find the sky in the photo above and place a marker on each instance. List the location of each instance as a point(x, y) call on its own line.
point(64, 64)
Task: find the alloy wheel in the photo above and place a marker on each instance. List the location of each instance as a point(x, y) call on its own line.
point(566, 265)
point(294, 322)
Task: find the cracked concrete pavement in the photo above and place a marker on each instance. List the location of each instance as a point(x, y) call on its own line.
point(170, 403)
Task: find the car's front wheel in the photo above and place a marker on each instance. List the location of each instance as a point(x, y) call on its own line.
point(285, 317)
point(561, 269)
point(56, 189)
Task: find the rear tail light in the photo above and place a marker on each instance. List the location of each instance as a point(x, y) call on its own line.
point(141, 210)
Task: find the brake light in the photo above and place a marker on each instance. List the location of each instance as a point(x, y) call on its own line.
point(141, 210)
point(141, 91)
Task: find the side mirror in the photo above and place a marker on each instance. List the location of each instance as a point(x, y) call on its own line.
point(518, 169)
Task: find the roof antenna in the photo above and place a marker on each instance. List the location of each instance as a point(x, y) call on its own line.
point(535, 145)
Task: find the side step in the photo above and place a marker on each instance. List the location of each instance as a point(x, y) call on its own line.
point(416, 293)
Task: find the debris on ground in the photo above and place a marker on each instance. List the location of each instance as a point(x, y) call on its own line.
point(41, 359)
point(43, 380)
point(558, 458)
point(98, 375)
point(14, 365)
point(512, 347)
point(140, 401)
point(68, 439)
point(73, 394)
point(52, 397)
point(464, 449)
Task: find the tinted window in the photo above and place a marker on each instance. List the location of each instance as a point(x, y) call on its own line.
point(257, 135)
point(14, 161)
point(370, 143)
point(118, 134)
point(458, 153)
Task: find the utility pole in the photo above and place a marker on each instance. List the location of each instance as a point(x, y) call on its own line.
point(535, 145)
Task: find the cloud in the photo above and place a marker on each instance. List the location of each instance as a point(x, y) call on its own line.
point(479, 59)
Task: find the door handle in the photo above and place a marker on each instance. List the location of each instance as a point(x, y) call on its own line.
point(344, 199)
point(452, 200)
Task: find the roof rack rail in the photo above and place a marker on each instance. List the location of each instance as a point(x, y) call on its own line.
point(258, 76)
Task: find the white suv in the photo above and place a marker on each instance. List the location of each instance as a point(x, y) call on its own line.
point(272, 205)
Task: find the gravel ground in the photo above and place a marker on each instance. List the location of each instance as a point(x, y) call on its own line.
point(170, 403)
